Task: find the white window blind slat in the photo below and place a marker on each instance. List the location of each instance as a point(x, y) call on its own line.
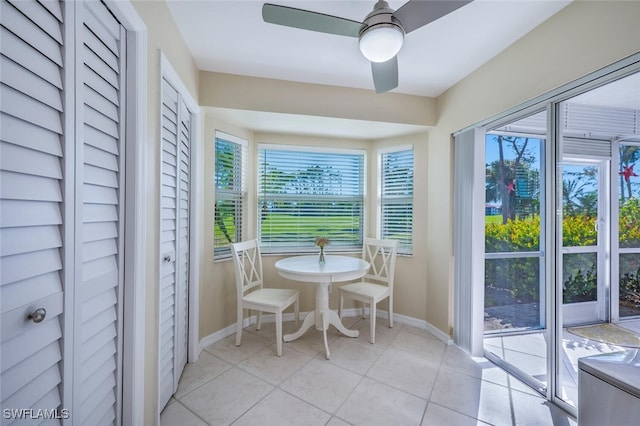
point(307, 192)
point(396, 197)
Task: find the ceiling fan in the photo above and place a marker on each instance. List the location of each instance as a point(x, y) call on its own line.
point(381, 34)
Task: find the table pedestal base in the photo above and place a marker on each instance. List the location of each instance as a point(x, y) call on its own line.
point(322, 317)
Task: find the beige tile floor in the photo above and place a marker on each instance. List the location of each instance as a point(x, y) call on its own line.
point(528, 352)
point(408, 377)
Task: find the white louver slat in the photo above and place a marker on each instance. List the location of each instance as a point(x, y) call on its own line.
point(31, 204)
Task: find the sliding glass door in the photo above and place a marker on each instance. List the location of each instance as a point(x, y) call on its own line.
point(561, 216)
point(515, 284)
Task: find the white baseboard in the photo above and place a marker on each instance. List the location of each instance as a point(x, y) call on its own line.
point(403, 319)
point(353, 312)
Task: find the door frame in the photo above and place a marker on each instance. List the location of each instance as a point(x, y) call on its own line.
point(600, 310)
point(135, 274)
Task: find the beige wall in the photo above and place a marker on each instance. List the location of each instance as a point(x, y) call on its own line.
point(162, 35)
point(263, 94)
point(217, 279)
point(581, 38)
point(410, 288)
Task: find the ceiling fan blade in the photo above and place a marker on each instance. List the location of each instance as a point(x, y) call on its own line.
point(385, 75)
point(418, 13)
point(308, 20)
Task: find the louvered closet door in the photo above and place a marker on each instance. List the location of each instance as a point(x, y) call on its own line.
point(100, 208)
point(31, 204)
point(176, 135)
point(61, 208)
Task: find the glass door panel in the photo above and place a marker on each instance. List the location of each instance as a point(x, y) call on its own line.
point(583, 229)
point(514, 303)
point(629, 230)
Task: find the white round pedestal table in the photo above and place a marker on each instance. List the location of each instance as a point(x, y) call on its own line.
point(309, 269)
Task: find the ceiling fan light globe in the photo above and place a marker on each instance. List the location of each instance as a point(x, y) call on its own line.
point(380, 43)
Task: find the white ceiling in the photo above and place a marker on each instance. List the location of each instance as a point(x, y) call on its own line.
point(231, 37)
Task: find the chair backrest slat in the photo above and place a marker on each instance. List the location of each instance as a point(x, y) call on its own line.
point(381, 254)
point(248, 264)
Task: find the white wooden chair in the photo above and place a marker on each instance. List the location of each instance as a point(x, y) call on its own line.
point(251, 293)
point(377, 285)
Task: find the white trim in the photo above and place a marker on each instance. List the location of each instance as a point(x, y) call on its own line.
point(469, 241)
point(133, 381)
point(606, 74)
point(319, 149)
point(67, 142)
point(219, 134)
point(197, 207)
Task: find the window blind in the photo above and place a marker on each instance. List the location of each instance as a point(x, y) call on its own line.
point(396, 197)
point(230, 153)
point(307, 192)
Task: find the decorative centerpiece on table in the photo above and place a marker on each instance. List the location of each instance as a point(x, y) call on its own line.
point(322, 242)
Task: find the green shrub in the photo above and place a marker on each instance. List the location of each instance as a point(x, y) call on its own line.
point(630, 223)
point(520, 276)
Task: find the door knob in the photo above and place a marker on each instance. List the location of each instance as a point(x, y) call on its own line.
point(38, 315)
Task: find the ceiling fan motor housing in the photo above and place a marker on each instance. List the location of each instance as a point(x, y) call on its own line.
point(380, 21)
point(380, 15)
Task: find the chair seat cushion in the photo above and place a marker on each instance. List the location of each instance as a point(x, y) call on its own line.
point(367, 289)
point(274, 297)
